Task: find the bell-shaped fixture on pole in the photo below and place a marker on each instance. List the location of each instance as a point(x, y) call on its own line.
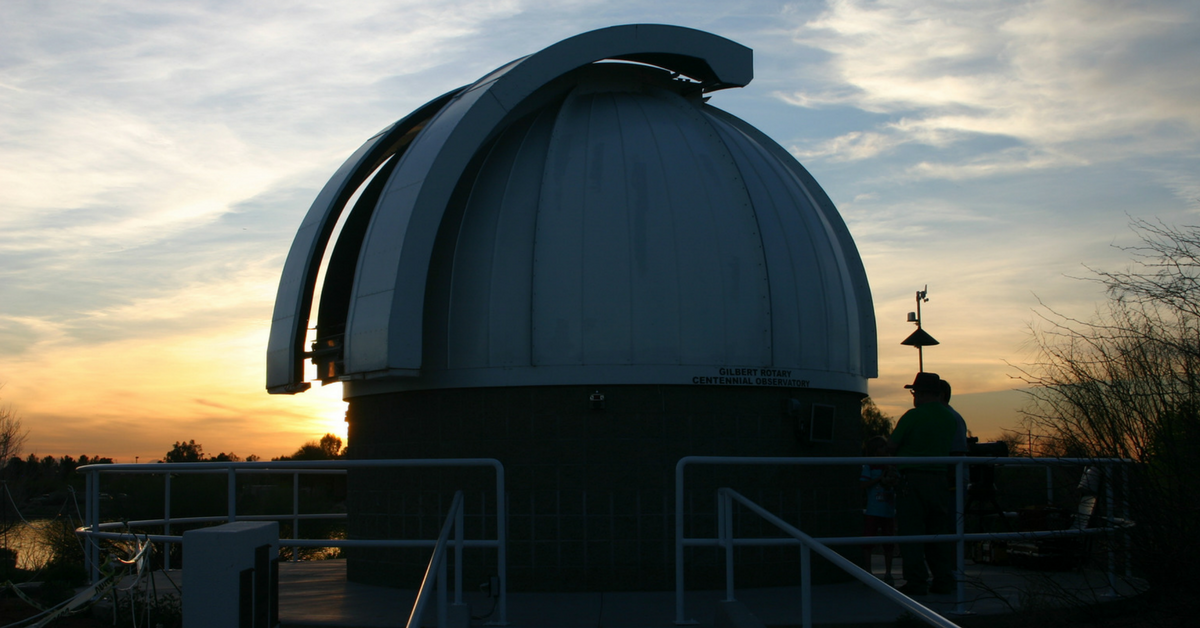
point(919, 338)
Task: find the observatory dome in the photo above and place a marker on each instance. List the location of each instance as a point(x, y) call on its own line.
point(580, 269)
point(579, 216)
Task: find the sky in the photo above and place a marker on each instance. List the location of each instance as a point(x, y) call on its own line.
point(156, 159)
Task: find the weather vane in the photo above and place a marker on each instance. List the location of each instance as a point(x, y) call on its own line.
point(919, 338)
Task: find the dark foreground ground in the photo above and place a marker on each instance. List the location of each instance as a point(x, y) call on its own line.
point(1134, 615)
point(316, 594)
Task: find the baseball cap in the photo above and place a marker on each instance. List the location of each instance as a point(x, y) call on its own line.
point(926, 382)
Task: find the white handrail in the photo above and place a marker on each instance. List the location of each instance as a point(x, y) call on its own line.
point(725, 535)
point(438, 562)
point(809, 543)
point(94, 529)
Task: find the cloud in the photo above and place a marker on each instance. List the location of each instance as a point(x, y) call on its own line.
point(1005, 162)
point(1184, 185)
point(852, 146)
point(1054, 74)
point(18, 334)
point(136, 394)
point(156, 159)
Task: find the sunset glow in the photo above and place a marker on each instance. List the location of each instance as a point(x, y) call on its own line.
point(157, 159)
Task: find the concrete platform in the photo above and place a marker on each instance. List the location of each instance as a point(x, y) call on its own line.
point(317, 594)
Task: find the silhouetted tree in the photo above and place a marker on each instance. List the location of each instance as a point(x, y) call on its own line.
point(332, 446)
point(190, 451)
point(1126, 383)
point(84, 460)
point(328, 448)
point(875, 422)
point(12, 440)
point(1017, 443)
point(12, 434)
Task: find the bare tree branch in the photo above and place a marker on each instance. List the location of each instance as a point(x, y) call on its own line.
point(1126, 383)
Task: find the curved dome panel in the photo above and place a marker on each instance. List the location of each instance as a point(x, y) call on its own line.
point(641, 253)
point(608, 228)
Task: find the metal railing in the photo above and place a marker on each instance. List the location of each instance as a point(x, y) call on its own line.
point(808, 545)
point(437, 567)
point(93, 529)
point(726, 540)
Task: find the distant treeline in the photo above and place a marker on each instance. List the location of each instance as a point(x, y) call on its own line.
point(328, 448)
point(42, 481)
point(45, 484)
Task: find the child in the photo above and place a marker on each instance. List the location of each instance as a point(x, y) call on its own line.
point(879, 482)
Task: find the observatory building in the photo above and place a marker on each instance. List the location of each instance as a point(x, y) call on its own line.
point(580, 267)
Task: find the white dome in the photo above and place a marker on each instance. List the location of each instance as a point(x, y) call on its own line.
point(571, 222)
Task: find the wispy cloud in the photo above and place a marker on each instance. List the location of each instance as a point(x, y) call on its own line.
point(1053, 74)
point(1184, 185)
point(1005, 162)
point(156, 159)
point(852, 146)
point(136, 135)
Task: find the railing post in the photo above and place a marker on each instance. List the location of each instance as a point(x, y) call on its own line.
point(441, 592)
point(679, 612)
point(1049, 485)
point(1125, 514)
point(96, 515)
point(725, 532)
point(92, 519)
point(232, 494)
point(167, 521)
point(1112, 522)
point(805, 586)
point(295, 514)
point(502, 536)
point(960, 527)
point(458, 553)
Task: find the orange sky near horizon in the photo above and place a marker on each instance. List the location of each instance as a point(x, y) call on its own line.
point(137, 397)
point(156, 160)
point(133, 398)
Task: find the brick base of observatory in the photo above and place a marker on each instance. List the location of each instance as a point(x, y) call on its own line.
point(590, 489)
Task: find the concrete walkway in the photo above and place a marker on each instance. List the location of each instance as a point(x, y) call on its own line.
point(317, 594)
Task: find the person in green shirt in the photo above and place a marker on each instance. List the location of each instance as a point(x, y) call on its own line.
point(922, 505)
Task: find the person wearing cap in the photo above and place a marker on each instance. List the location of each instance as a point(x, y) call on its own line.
point(959, 446)
point(922, 506)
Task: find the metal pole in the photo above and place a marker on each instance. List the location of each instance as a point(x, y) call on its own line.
point(502, 536)
point(94, 548)
point(724, 531)
point(1112, 558)
point(295, 514)
point(679, 612)
point(920, 349)
point(1125, 514)
point(1049, 485)
point(232, 495)
point(458, 553)
point(441, 592)
point(805, 586)
point(94, 569)
point(167, 521)
point(961, 544)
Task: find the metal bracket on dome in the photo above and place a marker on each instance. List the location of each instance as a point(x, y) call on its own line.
point(384, 327)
